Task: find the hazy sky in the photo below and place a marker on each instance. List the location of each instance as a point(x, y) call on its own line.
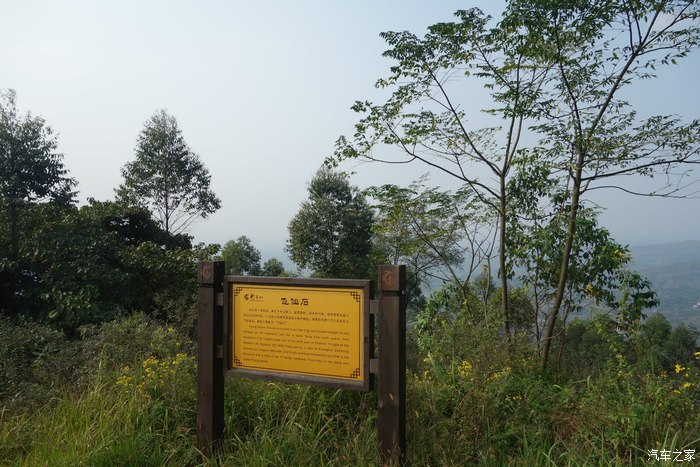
point(261, 91)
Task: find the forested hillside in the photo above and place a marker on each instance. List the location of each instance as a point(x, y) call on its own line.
point(674, 270)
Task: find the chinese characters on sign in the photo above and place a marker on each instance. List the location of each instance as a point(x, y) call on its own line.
point(308, 331)
point(295, 301)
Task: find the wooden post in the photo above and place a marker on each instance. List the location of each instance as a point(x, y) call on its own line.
point(391, 388)
point(210, 364)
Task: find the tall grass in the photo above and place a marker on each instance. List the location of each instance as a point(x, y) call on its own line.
point(99, 427)
point(278, 424)
point(136, 407)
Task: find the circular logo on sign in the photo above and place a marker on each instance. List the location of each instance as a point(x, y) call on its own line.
point(388, 277)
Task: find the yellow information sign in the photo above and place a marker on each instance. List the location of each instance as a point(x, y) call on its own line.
point(299, 330)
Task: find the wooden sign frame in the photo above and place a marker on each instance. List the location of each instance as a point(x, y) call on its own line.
point(214, 353)
point(235, 287)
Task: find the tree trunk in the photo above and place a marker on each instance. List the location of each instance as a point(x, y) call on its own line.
point(14, 230)
point(566, 257)
point(502, 260)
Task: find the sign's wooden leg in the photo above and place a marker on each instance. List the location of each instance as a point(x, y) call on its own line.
point(391, 388)
point(210, 366)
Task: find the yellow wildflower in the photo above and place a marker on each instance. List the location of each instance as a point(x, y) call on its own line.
point(465, 369)
point(124, 380)
point(498, 374)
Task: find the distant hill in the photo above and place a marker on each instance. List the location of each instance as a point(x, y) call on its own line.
point(674, 270)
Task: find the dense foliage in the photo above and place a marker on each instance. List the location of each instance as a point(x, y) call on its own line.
point(242, 258)
point(31, 171)
point(86, 265)
point(331, 233)
point(69, 266)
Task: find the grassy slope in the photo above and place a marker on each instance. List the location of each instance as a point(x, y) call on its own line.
point(135, 407)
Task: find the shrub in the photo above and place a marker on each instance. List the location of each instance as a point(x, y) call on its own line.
point(35, 362)
point(130, 340)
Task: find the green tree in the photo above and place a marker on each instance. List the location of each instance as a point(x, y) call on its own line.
point(86, 265)
point(331, 234)
point(650, 344)
point(585, 348)
point(659, 347)
point(554, 72)
point(241, 257)
point(31, 170)
point(589, 131)
point(680, 345)
point(598, 266)
point(273, 268)
point(31, 174)
point(441, 235)
point(425, 120)
point(167, 176)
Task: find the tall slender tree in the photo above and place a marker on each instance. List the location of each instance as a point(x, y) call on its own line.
point(425, 120)
point(555, 72)
point(168, 177)
point(590, 133)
